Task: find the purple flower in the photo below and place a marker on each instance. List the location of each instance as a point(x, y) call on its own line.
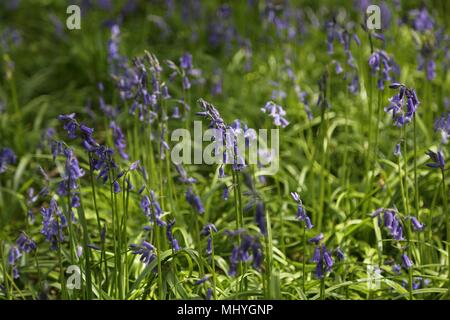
point(403, 105)
point(70, 124)
point(119, 139)
point(170, 237)
point(116, 187)
point(382, 66)
point(25, 243)
point(202, 280)
point(13, 256)
point(186, 61)
point(317, 256)
point(7, 157)
point(396, 268)
point(316, 239)
point(194, 201)
point(260, 218)
point(53, 222)
point(339, 254)
point(301, 211)
point(422, 21)
point(406, 262)
point(327, 258)
point(226, 193)
point(398, 150)
point(146, 251)
point(417, 225)
point(437, 158)
point(276, 112)
point(442, 125)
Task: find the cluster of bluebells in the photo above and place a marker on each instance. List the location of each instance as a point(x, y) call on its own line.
point(207, 231)
point(227, 137)
point(323, 257)
point(345, 38)
point(301, 211)
point(418, 283)
point(53, 222)
point(119, 139)
point(221, 31)
point(152, 209)
point(250, 249)
point(195, 201)
point(69, 185)
point(421, 20)
point(428, 50)
point(402, 105)
point(145, 250)
point(101, 156)
point(276, 112)
point(7, 157)
point(390, 219)
point(24, 244)
point(383, 67)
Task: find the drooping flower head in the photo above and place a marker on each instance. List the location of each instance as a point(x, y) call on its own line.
point(53, 222)
point(7, 157)
point(301, 211)
point(145, 250)
point(403, 105)
point(276, 112)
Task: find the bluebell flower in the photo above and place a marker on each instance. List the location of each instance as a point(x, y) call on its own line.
point(339, 254)
point(406, 261)
point(14, 256)
point(422, 20)
point(194, 201)
point(382, 66)
point(53, 222)
point(209, 294)
point(260, 218)
point(119, 139)
point(276, 112)
point(403, 105)
point(202, 280)
point(442, 125)
point(301, 211)
point(116, 187)
point(186, 61)
point(327, 258)
point(25, 243)
point(396, 269)
point(319, 272)
point(225, 193)
point(416, 224)
point(317, 255)
point(145, 250)
point(70, 124)
point(316, 239)
point(437, 158)
point(170, 237)
point(184, 175)
point(7, 157)
point(398, 150)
